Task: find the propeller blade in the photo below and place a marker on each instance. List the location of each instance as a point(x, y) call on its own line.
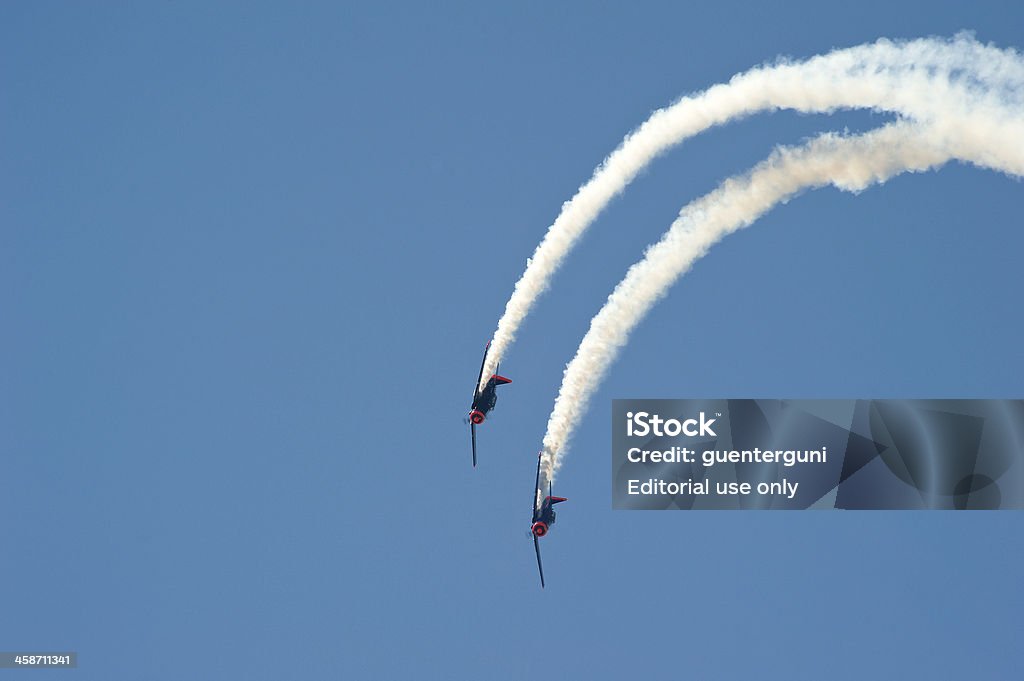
point(536, 547)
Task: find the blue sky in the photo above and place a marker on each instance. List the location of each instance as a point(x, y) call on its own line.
point(250, 256)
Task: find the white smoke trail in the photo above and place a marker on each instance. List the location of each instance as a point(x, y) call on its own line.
point(917, 79)
point(993, 139)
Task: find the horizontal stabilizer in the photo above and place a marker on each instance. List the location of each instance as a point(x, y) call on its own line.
point(500, 380)
point(557, 500)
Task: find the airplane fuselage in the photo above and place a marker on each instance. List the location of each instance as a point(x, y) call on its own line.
point(484, 402)
point(545, 518)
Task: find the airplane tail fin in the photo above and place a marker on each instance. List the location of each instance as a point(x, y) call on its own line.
point(552, 498)
point(500, 380)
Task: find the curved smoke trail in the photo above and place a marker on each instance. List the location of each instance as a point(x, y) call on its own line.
point(992, 139)
point(916, 79)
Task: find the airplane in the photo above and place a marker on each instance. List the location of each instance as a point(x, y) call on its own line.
point(543, 517)
point(483, 400)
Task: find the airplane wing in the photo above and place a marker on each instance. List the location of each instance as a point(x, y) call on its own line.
point(536, 493)
point(472, 429)
point(476, 386)
point(536, 547)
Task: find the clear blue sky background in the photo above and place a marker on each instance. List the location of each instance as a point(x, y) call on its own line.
point(250, 254)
